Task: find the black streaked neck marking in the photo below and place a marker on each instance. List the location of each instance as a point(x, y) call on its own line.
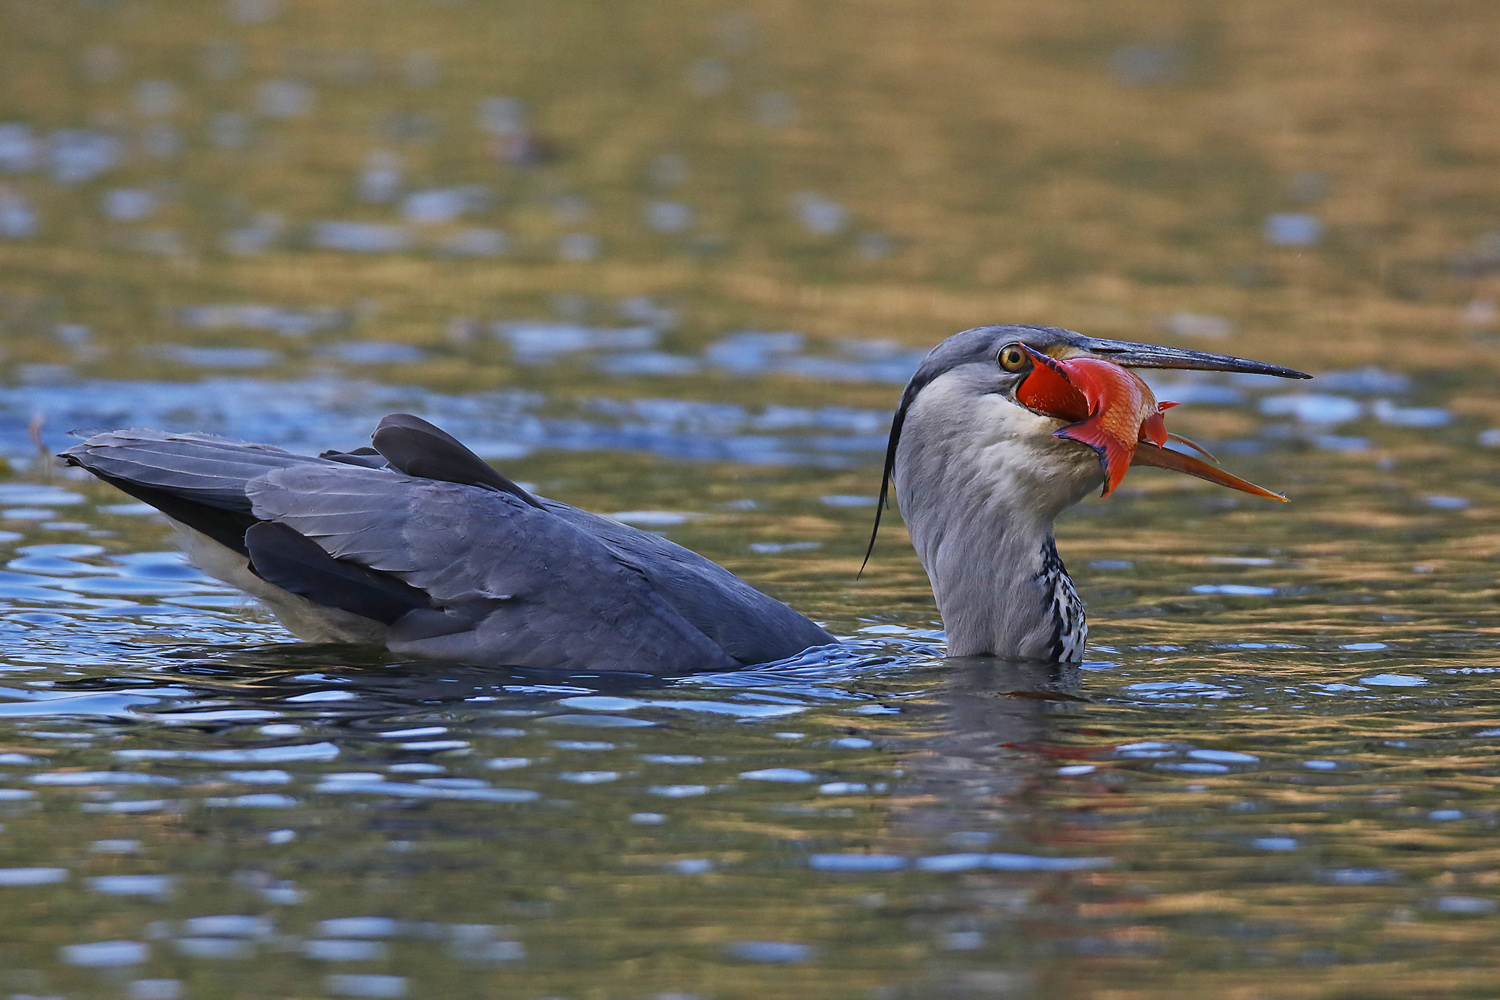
point(1069, 622)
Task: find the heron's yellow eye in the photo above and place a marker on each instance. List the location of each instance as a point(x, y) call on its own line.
point(1013, 359)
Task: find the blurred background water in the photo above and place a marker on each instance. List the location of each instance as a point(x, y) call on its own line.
point(673, 262)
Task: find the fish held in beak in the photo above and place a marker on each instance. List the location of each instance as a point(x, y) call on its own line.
point(1114, 412)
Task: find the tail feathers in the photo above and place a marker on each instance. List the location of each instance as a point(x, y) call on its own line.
point(194, 479)
point(203, 469)
point(204, 483)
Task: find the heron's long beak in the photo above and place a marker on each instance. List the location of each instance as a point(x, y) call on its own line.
point(1131, 355)
point(1114, 412)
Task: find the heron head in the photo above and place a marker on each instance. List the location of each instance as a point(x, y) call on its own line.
point(1066, 408)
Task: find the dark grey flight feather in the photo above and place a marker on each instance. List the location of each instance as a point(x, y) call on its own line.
point(419, 449)
point(457, 561)
point(280, 556)
point(367, 457)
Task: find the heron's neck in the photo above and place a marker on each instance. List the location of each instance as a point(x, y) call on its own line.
point(979, 496)
point(1000, 586)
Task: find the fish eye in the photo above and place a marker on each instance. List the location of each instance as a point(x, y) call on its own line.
point(1013, 358)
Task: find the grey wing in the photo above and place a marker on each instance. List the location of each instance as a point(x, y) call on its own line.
point(473, 568)
point(514, 583)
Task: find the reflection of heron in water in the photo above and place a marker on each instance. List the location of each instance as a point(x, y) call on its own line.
point(977, 800)
point(978, 750)
point(419, 546)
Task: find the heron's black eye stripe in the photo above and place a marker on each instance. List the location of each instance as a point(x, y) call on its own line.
point(1013, 358)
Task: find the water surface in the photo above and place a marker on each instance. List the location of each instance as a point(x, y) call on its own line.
point(1274, 769)
point(674, 264)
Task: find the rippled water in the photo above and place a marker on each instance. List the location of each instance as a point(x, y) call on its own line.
point(674, 264)
point(1275, 769)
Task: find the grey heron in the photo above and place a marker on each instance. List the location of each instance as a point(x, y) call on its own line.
point(420, 546)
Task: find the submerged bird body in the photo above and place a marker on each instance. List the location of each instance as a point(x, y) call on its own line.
point(426, 550)
point(419, 546)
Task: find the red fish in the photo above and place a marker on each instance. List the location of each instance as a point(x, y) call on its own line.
point(1114, 412)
